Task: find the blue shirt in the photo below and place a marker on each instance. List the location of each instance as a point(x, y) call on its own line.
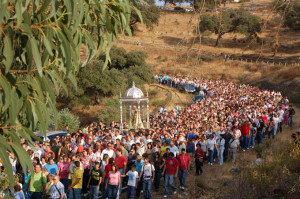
point(174, 150)
point(139, 165)
point(190, 147)
point(19, 195)
point(52, 169)
point(189, 136)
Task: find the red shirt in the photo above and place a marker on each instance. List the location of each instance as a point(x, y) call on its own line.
point(265, 118)
point(199, 153)
point(120, 160)
point(184, 161)
point(245, 130)
point(80, 149)
point(107, 170)
point(171, 166)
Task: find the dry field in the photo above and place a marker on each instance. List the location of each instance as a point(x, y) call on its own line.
point(173, 46)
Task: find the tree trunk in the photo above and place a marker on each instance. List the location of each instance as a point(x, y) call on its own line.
point(217, 42)
point(132, 30)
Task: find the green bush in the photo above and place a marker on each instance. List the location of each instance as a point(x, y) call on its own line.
point(207, 58)
point(153, 92)
point(66, 118)
point(111, 111)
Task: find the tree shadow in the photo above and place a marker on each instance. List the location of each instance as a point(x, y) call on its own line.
point(172, 41)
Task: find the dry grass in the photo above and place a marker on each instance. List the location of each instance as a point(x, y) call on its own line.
point(176, 39)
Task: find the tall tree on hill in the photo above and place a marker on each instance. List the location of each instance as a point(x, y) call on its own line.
point(150, 15)
point(231, 21)
point(292, 16)
point(219, 24)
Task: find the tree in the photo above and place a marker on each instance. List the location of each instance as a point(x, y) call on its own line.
point(124, 68)
point(150, 15)
point(66, 118)
point(292, 16)
point(231, 21)
point(219, 24)
point(247, 23)
point(40, 43)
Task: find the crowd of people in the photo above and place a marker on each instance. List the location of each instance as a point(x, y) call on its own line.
point(102, 160)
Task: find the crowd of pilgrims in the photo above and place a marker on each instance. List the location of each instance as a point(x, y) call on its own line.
point(100, 160)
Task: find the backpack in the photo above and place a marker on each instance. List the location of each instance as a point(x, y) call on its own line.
point(150, 171)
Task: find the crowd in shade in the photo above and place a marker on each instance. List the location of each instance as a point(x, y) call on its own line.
point(99, 160)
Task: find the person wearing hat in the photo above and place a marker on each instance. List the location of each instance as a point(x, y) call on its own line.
point(171, 171)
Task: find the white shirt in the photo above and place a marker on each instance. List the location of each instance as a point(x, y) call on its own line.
point(110, 153)
point(211, 143)
point(132, 176)
point(147, 170)
point(281, 112)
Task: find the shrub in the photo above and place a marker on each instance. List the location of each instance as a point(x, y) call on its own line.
point(152, 92)
point(111, 111)
point(207, 58)
point(66, 118)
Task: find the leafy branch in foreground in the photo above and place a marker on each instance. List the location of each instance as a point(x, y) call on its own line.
point(40, 46)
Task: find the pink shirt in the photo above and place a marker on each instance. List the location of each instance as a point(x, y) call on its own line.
point(113, 178)
point(63, 168)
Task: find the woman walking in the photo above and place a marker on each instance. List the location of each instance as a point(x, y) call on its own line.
point(199, 154)
point(212, 146)
point(158, 165)
point(113, 183)
point(221, 147)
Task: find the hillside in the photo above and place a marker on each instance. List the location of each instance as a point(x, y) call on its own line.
point(173, 47)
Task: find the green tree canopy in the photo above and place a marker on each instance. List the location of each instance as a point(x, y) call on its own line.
point(40, 44)
point(231, 21)
point(150, 14)
point(124, 68)
point(292, 17)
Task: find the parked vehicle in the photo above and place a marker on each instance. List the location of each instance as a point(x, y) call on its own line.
point(190, 88)
point(50, 135)
point(189, 9)
point(179, 9)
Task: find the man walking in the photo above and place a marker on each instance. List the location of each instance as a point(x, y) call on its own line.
point(57, 190)
point(233, 145)
point(76, 186)
point(95, 181)
point(148, 172)
point(190, 149)
point(37, 183)
point(291, 115)
point(184, 167)
point(121, 162)
point(171, 170)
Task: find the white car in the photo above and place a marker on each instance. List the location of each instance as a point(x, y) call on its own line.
point(50, 135)
point(189, 9)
